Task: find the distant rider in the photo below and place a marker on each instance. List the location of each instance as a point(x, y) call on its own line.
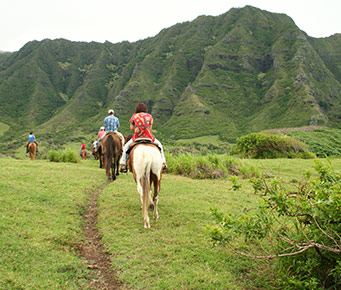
point(83, 147)
point(31, 138)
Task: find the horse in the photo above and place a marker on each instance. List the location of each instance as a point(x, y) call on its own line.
point(98, 154)
point(84, 154)
point(146, 165)
point(111, 149)
point(32, 147)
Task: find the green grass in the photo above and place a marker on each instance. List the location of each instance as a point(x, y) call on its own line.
point(41, 225)
point(176, 252)
point(41, 228)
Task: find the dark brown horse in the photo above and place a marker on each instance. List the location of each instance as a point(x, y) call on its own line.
point(98, 154)
point(112, 151)
point(32, 147)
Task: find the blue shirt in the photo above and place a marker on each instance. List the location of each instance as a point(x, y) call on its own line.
point(31, 138)
point(111, 123)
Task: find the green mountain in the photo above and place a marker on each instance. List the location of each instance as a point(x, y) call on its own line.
point(243, 71)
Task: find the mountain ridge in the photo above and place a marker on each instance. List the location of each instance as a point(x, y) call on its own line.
point(243, 71)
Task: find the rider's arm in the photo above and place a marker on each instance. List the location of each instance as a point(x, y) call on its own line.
point(132, 127)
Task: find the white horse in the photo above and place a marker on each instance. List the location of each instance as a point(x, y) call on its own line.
point(146, 164)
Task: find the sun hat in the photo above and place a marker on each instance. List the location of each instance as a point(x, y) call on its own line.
point(111, 111)
point(102, 128)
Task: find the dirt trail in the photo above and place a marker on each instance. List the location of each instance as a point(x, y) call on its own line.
point(96, 258)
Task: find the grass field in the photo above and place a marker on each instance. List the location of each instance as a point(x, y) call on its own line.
point(41, 228)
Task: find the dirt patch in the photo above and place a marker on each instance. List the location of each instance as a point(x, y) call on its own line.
point(95, 256)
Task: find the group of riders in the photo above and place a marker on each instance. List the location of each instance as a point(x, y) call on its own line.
point(141, 124)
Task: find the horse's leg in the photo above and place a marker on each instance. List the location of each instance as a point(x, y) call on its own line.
point(117, 162)
point(108, 167)
point(113, 169)
point(140, 191)
point(156, 183)
point(145, 200)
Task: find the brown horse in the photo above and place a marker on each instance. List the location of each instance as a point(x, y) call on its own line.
point(146, 165)
point(32, 147)
point(98, 154)
point(111, 149)
point(84, 154)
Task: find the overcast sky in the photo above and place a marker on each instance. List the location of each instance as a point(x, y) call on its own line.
point(22, 21)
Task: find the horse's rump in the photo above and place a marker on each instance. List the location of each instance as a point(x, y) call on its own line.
point(146, 164)
point(32, 147)
point(84, 153)
point(112, 149)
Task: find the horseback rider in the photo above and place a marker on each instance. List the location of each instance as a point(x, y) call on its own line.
point(141, 124)
point(100, 135)
point(31, 138)
point(111, 124)
point(83, 147)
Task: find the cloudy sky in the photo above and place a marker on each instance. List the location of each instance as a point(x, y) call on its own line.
point(22, 21)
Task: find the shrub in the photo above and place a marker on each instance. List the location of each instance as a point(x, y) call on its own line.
point(209, 166)
point(260, 145)
point(62, 156)
point(301, 227)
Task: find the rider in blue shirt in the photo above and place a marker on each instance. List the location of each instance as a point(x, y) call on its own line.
point(111, 124)
point(31, 138)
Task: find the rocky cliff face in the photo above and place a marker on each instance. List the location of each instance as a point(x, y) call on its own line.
point(243, 71)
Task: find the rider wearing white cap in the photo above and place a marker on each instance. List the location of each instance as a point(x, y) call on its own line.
point(111, 124)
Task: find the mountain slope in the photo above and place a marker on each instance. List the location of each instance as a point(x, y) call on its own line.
point(243, 71)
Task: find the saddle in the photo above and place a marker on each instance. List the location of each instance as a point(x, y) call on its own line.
point(142, 140)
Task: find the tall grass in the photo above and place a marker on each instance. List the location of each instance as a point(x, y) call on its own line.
point(63, 156)
point(209, 166)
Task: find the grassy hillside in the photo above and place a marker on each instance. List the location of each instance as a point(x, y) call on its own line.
point(322, 141)
point(244, 71)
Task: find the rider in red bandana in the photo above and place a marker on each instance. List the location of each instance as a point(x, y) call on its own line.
point(141, 124)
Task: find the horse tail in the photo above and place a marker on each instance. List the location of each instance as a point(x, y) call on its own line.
point(145, 180)
point(110, 153)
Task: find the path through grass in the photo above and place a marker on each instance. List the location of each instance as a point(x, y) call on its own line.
point(41, 228)
point(41, 224)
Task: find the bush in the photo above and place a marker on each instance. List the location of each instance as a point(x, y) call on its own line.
point(260, 145)
point(209, 166)
point(62, 156)
point(301, 227)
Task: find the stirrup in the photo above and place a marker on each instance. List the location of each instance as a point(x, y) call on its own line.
point(123, 169)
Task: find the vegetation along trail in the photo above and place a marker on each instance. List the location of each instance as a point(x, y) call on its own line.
point(62, 226)
point(92, 249)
